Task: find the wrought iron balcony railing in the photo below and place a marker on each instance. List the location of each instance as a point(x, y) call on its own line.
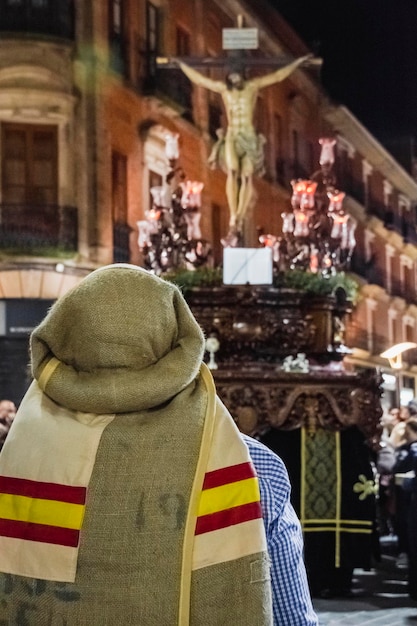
point(38, 229)
point(359, 338)
point(171, 86)
point(45, 17)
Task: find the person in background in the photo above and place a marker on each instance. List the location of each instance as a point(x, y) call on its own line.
point(144, 503)
point(397, 440)
point(406, 463)
point(386, 491)
point(7, 415)
point(389, 420)
point(291, 600)
point(397, 437)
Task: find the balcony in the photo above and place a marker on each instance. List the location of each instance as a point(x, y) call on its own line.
point(45, 17)
point(370, 342)
point(171, 86)
point(47, 230)
point(368, 269)
point(402, 222)
point(355, 189)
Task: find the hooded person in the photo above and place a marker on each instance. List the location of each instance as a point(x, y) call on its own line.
point(126, 492)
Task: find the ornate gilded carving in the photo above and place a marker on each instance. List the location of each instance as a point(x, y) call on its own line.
point(265, 324)
point(319, 399)
point(257, 328)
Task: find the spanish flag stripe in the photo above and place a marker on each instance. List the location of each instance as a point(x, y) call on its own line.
point(228, 496)
point(230, 474)
point(46, 491)
point(229, 517)
point(39, 532)
point(37, 511)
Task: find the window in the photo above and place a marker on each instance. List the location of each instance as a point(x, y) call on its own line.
point(262, 127)
point(408, 382)
point(117, 38)
point(393, 329)
point(29, 164)
point(279, 149)
point(296, 152)
point(215, 115)
point(49, 17)
point(344, 169)
point(408, 332)
point(183, 42)
point(121, 229)
point(155, 180)
point(215, 104)
point(305, 157)
point(219, 227)
point(311, 156)
point(152, 36)
point(407, 272)
point(119, 187)
point(115, 18)
point(261, 117)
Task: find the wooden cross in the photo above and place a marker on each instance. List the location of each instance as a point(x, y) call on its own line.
point(237, 59)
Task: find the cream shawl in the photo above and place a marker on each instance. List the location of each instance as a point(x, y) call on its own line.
point(124, 479)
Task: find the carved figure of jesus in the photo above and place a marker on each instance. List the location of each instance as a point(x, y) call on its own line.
point(239, 149)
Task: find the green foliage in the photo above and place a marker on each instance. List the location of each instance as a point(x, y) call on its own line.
point(200, 277)
point(314, 284)
point(36, 251)
point(317, 284)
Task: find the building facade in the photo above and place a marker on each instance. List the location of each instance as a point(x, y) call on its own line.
point(84, 114)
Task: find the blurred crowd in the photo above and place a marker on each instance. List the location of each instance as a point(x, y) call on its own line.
point(397, 465)
point(7, 414)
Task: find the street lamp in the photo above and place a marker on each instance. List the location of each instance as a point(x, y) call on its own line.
point(394, 356)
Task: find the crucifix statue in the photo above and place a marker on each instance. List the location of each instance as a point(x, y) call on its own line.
point(239, 148)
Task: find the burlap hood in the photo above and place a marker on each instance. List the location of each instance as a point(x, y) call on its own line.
point(122, 340)
point(115, 447)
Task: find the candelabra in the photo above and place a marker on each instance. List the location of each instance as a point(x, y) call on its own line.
point(317, 235)
point(170, 236)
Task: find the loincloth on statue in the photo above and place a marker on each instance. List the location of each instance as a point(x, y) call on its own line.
point(249, 145)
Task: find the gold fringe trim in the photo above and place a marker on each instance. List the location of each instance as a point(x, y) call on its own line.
point(47, 372)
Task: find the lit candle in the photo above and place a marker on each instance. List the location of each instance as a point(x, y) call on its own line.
point(339, 225)
point(327, 153)
point(171, 146)
point(153, 215)
point(191, 194)
point(268, 240)
point(336, 199)
point(314, 259)
point(158, 196)
point(301, 223)
point(298, 187)
point(287, 222)
point(348, 241)
point(307, 197)
point(193, 224)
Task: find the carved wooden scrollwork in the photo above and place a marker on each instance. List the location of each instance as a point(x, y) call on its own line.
point(275, 399)
point(267, 324)
point(257, 328)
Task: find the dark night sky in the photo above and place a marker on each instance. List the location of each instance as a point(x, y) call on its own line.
point(369, 51)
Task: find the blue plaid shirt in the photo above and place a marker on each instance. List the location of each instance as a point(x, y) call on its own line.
point(290, 593)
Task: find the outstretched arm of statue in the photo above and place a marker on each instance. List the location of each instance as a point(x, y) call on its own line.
point(199, 79)
point(281, 73)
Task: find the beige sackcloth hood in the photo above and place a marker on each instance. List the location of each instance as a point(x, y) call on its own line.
point(102, 474)
point(122, 341)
